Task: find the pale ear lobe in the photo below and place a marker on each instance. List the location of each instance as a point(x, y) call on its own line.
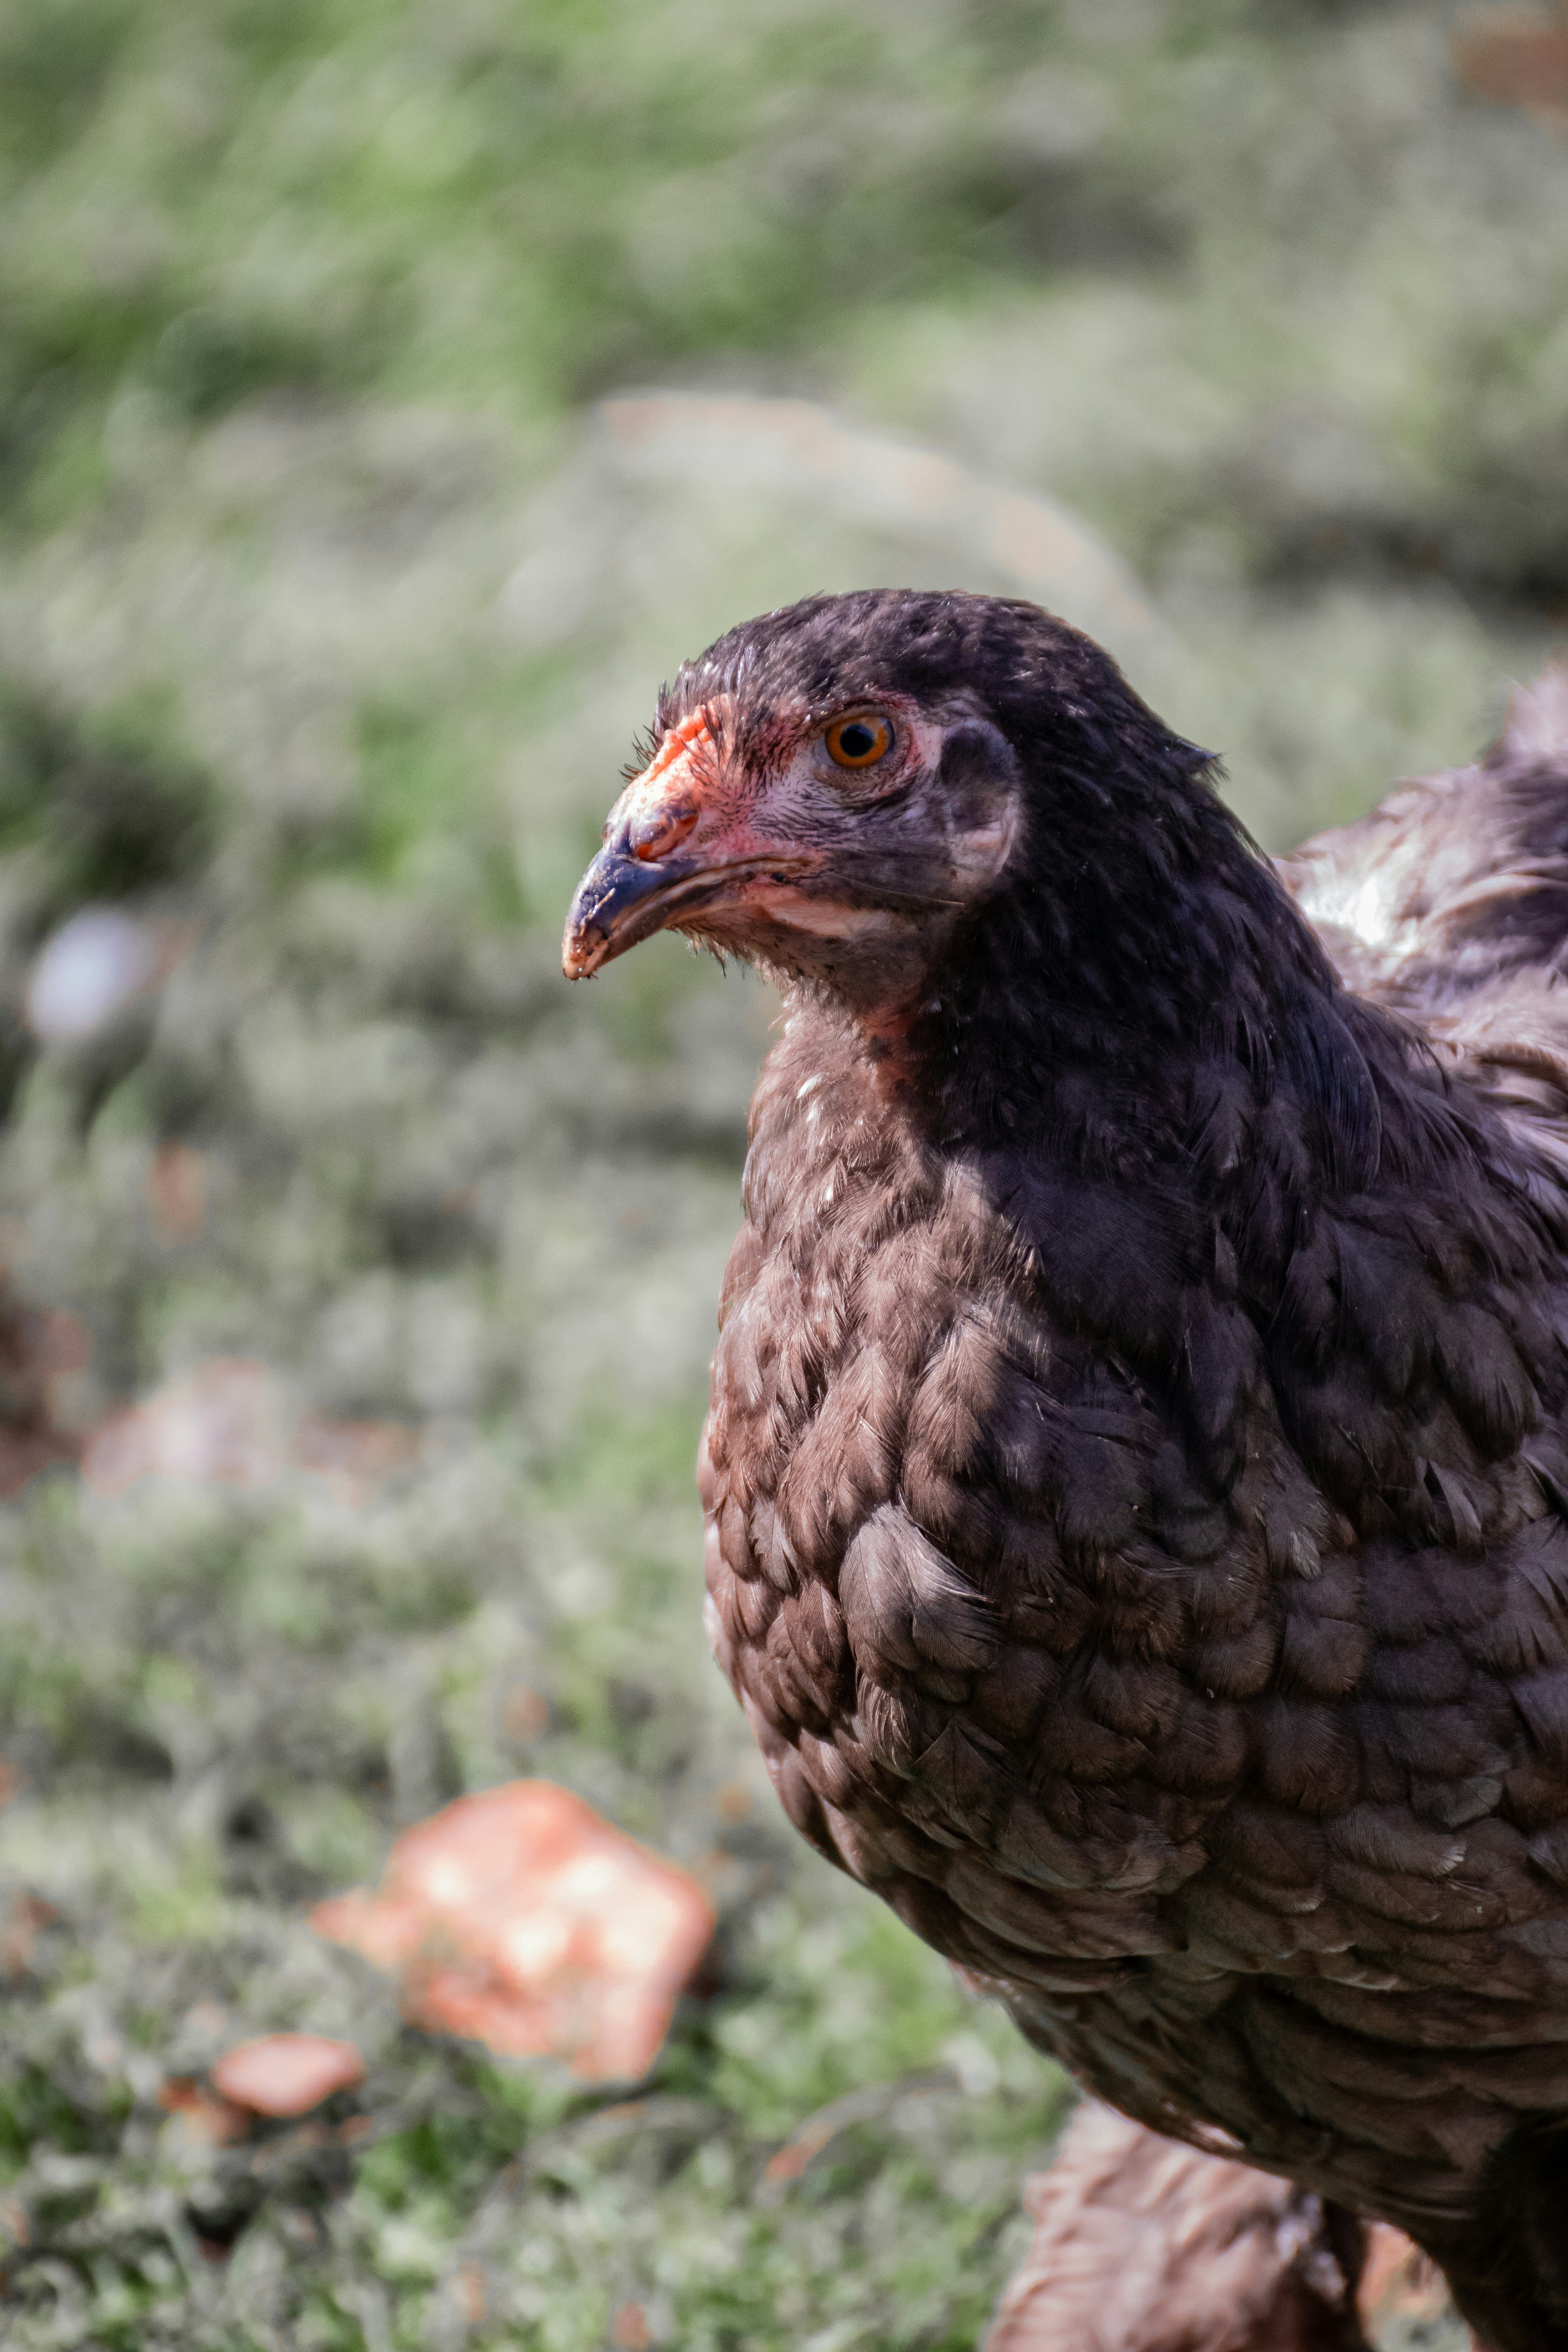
point(982, 853)
point(979, 791)
point(978, 768)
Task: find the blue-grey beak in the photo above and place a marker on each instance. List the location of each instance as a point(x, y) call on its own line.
point(623, 898)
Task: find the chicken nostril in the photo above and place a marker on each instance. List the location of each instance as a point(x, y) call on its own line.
point(655, 835)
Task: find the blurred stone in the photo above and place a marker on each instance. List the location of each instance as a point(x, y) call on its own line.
point(1517, 57)
point(628, 512)
point(520, 1918)
point(94, 963)
point(229, 1424)
point(286, 2074)
point(177, 1189)
point(221, 1425)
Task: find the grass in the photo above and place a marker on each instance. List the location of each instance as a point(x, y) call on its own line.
point(302, 308)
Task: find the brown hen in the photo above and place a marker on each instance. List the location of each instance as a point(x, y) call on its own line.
point(1137, 1473)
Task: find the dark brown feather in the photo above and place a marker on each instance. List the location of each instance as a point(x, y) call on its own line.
point(1139, 1450)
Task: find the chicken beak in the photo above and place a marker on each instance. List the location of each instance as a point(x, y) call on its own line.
point(621, 899)
point(650, 873)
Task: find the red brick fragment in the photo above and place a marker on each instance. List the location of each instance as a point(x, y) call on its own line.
point(522, 1919)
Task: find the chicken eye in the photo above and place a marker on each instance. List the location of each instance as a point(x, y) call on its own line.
point(857, 743)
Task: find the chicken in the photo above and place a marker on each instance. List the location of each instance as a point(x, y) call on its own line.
point(1137, 1471)
point(1143, 2245)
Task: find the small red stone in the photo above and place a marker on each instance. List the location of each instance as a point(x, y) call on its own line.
point(284, 2075)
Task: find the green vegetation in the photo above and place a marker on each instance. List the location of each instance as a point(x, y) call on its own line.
point(299, 311)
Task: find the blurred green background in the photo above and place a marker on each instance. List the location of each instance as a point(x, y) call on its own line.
point(330, 600)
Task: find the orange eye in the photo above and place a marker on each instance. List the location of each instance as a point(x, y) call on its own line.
point(859, 742)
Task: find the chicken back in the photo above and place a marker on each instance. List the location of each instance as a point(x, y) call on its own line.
point(1137, 1472)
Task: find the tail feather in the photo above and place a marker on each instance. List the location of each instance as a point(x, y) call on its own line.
point(1449, 905)
point(1536, 724)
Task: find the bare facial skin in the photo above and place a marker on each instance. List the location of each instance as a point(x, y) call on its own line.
point(838, 847)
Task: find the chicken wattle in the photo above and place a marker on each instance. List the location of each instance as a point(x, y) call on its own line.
point(1137, 1470)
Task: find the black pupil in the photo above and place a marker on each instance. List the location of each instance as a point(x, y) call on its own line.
point(857, 741)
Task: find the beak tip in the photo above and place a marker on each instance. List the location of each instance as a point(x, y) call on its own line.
point(584, 941)
point(623, 899)
point(596, 926)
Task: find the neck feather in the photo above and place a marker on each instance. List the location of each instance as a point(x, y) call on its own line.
point(1094, 1005)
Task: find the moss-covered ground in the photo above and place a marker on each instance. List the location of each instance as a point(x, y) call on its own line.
point(300, 309)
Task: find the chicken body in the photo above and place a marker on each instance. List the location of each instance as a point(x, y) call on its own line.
point(1137, 1472)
